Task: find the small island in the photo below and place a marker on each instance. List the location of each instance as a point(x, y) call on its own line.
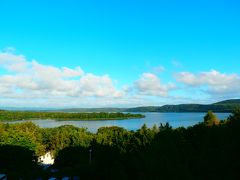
point(86, 116)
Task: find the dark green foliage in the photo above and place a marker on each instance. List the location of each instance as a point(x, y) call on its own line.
point(235, 116)
point(56, 139)
point(224, 106)
point(76, 158)
point(26, 135)
point(198, 152)
point(31, 115)
point(18, 162)
point(229, 102)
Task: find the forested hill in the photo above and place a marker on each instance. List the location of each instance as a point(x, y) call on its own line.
point(223, 106)
point(229, 102)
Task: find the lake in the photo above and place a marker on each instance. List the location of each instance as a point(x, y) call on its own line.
point(174, 119)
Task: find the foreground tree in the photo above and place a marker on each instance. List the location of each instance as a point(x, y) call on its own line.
point(211, 119)
point(18, 162)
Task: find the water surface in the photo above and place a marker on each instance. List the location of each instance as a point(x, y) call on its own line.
point(174, 119)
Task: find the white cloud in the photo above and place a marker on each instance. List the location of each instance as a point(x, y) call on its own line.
point(28, 79)
point(68, 73)
point(150, 84)
point(92, 85)
point(216, 82)
point(30, 83)
point(11, 62)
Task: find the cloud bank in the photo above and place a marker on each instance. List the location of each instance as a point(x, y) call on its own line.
point(26, 82)
point(150, 84)
point(214, 82)
point(27, 79)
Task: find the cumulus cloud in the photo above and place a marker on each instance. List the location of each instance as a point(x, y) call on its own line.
point(11, 62)
point(92, 85)
point(72, 72)
point(26, 82)
point(28, 79)
point(29, 83)
point(150, 84)
point(216, 82)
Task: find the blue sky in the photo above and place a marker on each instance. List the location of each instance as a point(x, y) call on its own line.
point(145, 52)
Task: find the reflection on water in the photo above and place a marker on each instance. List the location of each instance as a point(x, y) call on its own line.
point(174, 119)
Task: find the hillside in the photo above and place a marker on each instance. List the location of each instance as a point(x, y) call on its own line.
point(229, 102)
point(223, 106)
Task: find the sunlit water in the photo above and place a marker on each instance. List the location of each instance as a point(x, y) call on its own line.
point(174, 119)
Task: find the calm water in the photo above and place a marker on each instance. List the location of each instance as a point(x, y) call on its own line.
point(174, 119)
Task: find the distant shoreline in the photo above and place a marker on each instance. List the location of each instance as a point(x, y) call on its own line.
point(7, 116)
point(103, 119)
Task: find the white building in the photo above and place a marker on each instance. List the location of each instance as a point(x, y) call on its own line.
point(47, 159)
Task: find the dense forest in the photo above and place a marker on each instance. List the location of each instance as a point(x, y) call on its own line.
point(208, 150)
point(31, 115)
point(223, 106)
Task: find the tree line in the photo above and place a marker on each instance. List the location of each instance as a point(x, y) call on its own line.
point(32, 115)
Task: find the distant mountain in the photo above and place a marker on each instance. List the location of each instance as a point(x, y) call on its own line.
point(230, 102)
point(223, 106)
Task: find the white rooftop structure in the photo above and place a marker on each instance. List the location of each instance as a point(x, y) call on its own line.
point(47, 159)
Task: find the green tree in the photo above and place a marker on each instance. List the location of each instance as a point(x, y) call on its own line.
point(211, 119)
